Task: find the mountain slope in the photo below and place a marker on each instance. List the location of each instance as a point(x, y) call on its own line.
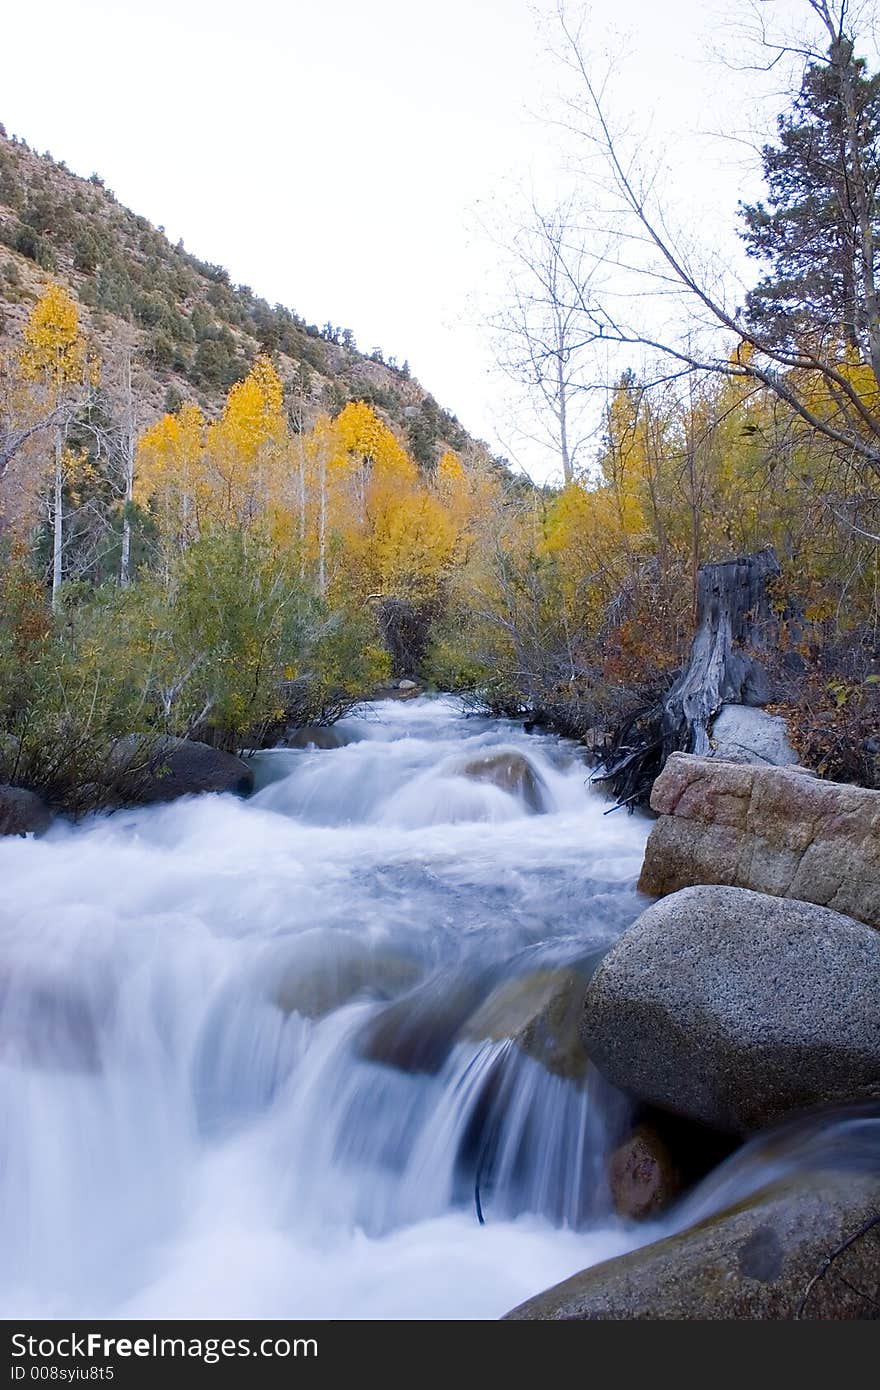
point(194, 333)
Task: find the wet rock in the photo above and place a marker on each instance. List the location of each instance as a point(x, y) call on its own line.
point(407, 685)
point(541, 1013)
point(753, 1261)
point(417, 1033)
point(325, 970)
point(512, 772)
point(643, 1174)
point(315, 736)
point(774, 830)
point(736, 1009)
point(22, 812)
point(48, 1024)
point(743, 733)
point(146, 772)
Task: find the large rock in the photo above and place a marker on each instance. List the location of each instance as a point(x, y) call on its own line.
point(735, 1009)
point(743, 733)
point(325, 969)
point(775, 830)
point(315, 736)
point(417, 1033)
point(539, 1012)
point(753, 1261)
point(172, 767)
point(22, 812)
point(512, 772)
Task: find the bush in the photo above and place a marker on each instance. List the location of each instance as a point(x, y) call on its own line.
point(30, 243)
point(229, 647)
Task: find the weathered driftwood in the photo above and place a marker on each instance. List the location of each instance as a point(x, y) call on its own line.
point(734, 625)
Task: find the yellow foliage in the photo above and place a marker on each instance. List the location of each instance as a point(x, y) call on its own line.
point(170, 468)
point(54, 351)
point(244, 447)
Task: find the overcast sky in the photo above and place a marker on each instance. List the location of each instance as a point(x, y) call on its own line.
point(339, 158)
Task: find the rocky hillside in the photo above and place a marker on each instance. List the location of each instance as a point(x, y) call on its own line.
point(195, 333)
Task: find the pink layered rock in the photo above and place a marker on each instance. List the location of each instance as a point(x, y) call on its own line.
point(775, 830)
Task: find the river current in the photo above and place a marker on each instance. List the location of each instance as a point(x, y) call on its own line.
point(236, 1075)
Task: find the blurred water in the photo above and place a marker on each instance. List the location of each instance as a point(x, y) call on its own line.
point(190, 1120)
point(236, 1078)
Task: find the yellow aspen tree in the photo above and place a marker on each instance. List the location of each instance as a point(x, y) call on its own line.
point(244, 447)
point(322, 450)
point(170, 472)
point(54, 355)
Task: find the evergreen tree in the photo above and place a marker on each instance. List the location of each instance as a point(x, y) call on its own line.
point(810, 231)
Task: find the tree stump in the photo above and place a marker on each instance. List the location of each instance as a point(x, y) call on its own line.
point(735, 624)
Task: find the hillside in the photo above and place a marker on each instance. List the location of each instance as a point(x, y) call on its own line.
point(194, 332)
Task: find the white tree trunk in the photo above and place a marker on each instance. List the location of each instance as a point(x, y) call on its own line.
point(322, 529)
point(128, 447)
point(58, 518)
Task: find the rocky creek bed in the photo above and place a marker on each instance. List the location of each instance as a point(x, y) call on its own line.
point(398, 1036)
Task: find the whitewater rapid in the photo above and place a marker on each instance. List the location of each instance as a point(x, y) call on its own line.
point(190, 1122)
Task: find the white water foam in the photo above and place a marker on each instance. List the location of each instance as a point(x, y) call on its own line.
point(189, 1122)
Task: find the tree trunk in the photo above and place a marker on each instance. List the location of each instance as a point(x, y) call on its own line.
point(58, 517)
point(129, 447)
point(733, 615)
point(734, 623)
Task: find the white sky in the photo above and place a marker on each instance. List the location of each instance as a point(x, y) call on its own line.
point(338, 157)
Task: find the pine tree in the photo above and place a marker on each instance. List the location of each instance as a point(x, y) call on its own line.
point(812, 229)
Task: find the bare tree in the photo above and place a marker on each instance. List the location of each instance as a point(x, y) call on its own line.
point(128, 447)
point(813, 376)
point(545, 330)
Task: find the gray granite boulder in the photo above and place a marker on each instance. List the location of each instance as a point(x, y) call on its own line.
point(744, 733)
point(22, 812)
point(736, 1009)
point(757, 1260)
point(144, 772)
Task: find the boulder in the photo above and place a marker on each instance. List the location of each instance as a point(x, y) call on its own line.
point(643, 1174)
point(753, 1261)
point(772, 829)
point(326, 969)
point(743, 733)
point(539, 1012)
point(172, 767)
point(22, 812)
point(417, 1033)
point(512, 772)
point(49, 1022)
point(735, 1009)
point(315, 736)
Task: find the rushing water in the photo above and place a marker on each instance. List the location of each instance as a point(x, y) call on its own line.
point(236, 1078)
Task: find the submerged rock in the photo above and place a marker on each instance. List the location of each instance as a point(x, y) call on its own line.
point(48, 1023)
point(735, 1009)
point(171, 767)
point(775, 830)
point(315, 736)
point(417, 1033)
point(327, 969)
point(512, 772)
point(643, 1174)
point(753, 1261)
point(22, 812)
point(541, 1013)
